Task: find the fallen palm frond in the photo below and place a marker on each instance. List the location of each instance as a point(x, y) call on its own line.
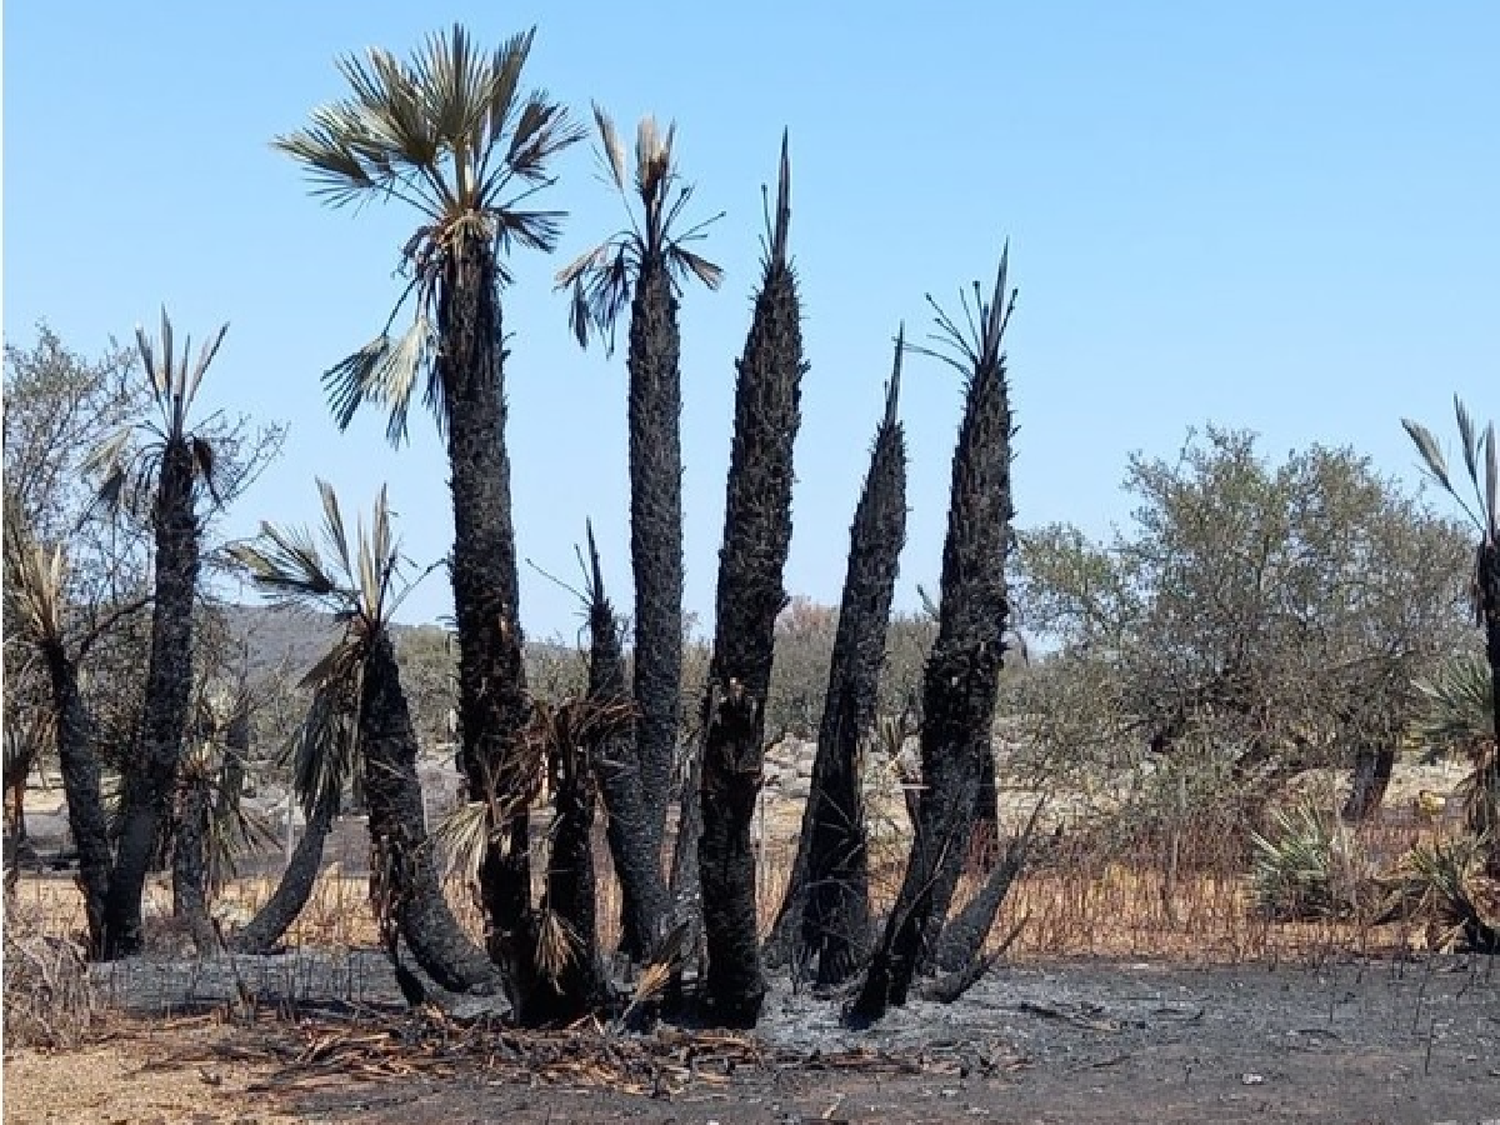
point(49, 999)
point(436, 1046)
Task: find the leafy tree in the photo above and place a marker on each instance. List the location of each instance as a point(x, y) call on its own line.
point(450, 133)
point(1255, 619)
point(357, 582)
point(757, 536)
point(643, 267)
point(961, 680)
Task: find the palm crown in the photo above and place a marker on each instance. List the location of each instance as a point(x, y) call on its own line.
point(358, 584)
point(128, 466)
point(602, 278)
point(450, 133)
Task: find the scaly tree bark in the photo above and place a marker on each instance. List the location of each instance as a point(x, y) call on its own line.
point(757, 536)
point(170, 466)
point(629, 829)
point(642, 266)
point(826, 911)
point(961, 679)
point(402, 865)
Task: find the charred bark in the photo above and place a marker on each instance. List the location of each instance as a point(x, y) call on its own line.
point(486, 595)
point(262, 933)
point(656, 534)
point(149, 786)
point(80, 776)
point(757, 535)
point(404, 877)
point(190, 856)
point(961, 679)
point(629, 831)
point(826, 912)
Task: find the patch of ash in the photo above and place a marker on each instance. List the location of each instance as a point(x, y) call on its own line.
point(157, 985)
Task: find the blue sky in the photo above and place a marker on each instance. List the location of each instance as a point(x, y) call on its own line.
point(1281, 216)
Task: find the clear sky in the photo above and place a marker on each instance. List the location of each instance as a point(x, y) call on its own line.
point(1283, 216)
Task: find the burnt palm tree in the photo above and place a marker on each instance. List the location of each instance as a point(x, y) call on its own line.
point(35, 592)
point(451, 134)
point(826, 911)
point(643, 267)
point(961, 679)
point(323, 754)
point(1481, 457)
point(359, 586)
point(164, 468)
point(757, 536)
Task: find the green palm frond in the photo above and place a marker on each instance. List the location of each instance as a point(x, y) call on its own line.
point(1481, 463)
point(603, 277)
point(1456, 707)
point(450, 133)
point(1306, 866)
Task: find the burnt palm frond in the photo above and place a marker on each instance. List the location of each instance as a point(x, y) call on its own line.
point(603, 278)
point(974, 345)
point(1481, 463)
point(449, 132)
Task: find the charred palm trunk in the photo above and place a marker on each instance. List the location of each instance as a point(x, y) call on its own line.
point(572, 975)
point(826, 912)
point(190, 853)
point(757, 536)
point(1488, 582)
point(486, 594)
point(1372, 777)
point(80, 776)
point(403, 873)
point(656, 536)
point(629, 830)
point(961, 678)
point(149, 785)
point(262, 933)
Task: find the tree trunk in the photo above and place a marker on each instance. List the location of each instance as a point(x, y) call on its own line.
point(265, 930)
point(149, 787)
point(1372, 776)
point(633, 846)
point(757, 535)
point(1488, 582)
point(656, 535)
point(826, 912)
point(190, 856)
point(577, 987)
point(80, 776)
point(486, 594)
point(961, 679)
point(404, 877)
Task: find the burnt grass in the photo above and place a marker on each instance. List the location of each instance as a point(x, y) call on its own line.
point(1390, 1040)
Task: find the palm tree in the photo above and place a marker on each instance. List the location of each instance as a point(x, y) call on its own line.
point(643, 266)
point(757, 537)
point(323, 755)
point(360, 672)
point(1480, 452)
point(163, 468)
point(961, 679)
point(826, 910)
point(450, 134)
point(35, 590)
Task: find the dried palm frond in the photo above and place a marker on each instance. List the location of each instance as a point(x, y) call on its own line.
point(462, 836)
point(557, 946)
